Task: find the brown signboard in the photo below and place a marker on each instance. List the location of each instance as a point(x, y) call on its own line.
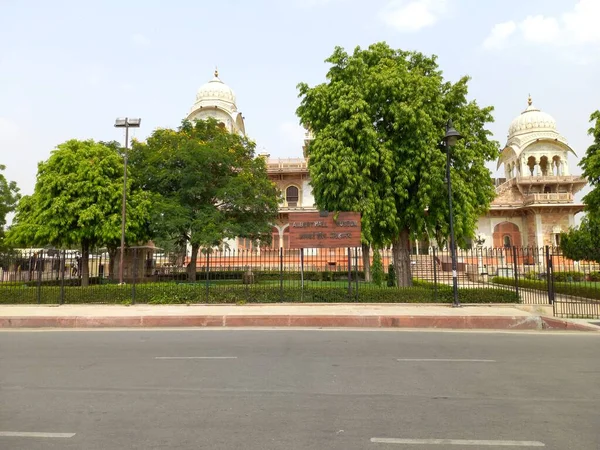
point(315, 230)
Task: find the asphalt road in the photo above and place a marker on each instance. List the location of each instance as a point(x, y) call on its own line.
point(298, 389)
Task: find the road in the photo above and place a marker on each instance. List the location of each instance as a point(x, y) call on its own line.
point(298, 389)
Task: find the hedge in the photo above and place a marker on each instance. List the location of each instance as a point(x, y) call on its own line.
point(575, 289)
point(173, 293)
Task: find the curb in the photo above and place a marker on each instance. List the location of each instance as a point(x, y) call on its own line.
point(322, 321)
point(552, 323)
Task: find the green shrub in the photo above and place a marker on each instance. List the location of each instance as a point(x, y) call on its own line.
point(377, 268)
point(581, 289)
point(569, 276)
point(182, 293)
point(594, 276)
point(391, 277)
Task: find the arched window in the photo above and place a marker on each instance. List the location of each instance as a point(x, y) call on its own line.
point(556, 165)
point(506, 241)
point(291, 196)
point(531, 163)
point(544, 165)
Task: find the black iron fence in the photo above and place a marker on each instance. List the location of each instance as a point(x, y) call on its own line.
point(485, 275)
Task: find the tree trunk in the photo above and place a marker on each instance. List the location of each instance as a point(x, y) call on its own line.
point(366, 255)
point(401, 254)
point(191, 268)
point(112, 258)
point(85, 264)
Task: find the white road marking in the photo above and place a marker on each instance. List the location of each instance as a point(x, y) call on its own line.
point(196, 357)
point(445, 360)
point(457, 442)
point(35, 435)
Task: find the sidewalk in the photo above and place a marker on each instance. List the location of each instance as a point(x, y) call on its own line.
point(497, 317)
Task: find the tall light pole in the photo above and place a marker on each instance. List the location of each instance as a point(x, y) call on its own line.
point(126, 122)
point(450, 139)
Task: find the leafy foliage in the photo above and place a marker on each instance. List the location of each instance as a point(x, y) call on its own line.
point(377, 269)
point(171, 293)
point(9, 196)
point(378, 123)
point(206, 186)
point(77, 201)
point(583, 243)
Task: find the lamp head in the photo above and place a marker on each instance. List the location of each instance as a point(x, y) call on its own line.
point(452, 136)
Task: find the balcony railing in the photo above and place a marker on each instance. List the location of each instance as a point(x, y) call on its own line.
point(287, 165)
point(549, 178)
point(560, 197)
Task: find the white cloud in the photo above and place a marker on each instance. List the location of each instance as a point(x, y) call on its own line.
point(412, 15)
point(140, 40)
point(583, 22)
point(500, 34)
point(540, 29)
point(578, 26)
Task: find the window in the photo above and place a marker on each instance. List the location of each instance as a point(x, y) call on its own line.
point(291, 196)
point(507, 242)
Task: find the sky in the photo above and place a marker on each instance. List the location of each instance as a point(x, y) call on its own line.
point(69, 68)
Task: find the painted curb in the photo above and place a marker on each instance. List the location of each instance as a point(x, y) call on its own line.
point(317, 321)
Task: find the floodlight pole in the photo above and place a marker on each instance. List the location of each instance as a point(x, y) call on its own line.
point(124, 123)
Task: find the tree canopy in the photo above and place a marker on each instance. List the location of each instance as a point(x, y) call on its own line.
point(583, 243)
point(9, 196)
point(378, 122)
point(77, 201)
point(207, 186)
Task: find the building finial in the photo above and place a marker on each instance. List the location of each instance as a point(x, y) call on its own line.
point(216, 72)
point(529, 101)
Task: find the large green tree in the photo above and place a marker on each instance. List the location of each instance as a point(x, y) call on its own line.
point(9, 196)
point(77, 202)
point(583, 243)
point(378, 122)
point(207, 186)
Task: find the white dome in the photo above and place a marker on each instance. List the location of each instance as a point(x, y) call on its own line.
point(532, 119)
point(215, 91)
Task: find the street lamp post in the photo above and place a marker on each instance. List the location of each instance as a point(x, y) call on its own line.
point(126, 123)
point(450, 139)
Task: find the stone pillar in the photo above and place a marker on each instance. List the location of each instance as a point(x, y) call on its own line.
point(280, 237)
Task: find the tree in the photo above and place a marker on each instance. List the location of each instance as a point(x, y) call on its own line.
point(9, 196)
point(583, 243)
point(378, 123)
point(207, 186)
point(77, 201)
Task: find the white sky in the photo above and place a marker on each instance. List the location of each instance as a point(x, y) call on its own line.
point(69, 68)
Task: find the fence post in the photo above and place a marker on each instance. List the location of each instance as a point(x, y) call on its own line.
point(281, 274)
point(207, 274)
point(549, 276)
point(302, 275)
point(516, 270)
point(37, 262)
point(349, 273)
point(133, 276)
point(63, 263)
point(435, 287)
point(356, 272)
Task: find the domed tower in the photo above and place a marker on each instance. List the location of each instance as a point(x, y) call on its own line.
point(535, 149)
point(216, 99)
point(535, 201)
